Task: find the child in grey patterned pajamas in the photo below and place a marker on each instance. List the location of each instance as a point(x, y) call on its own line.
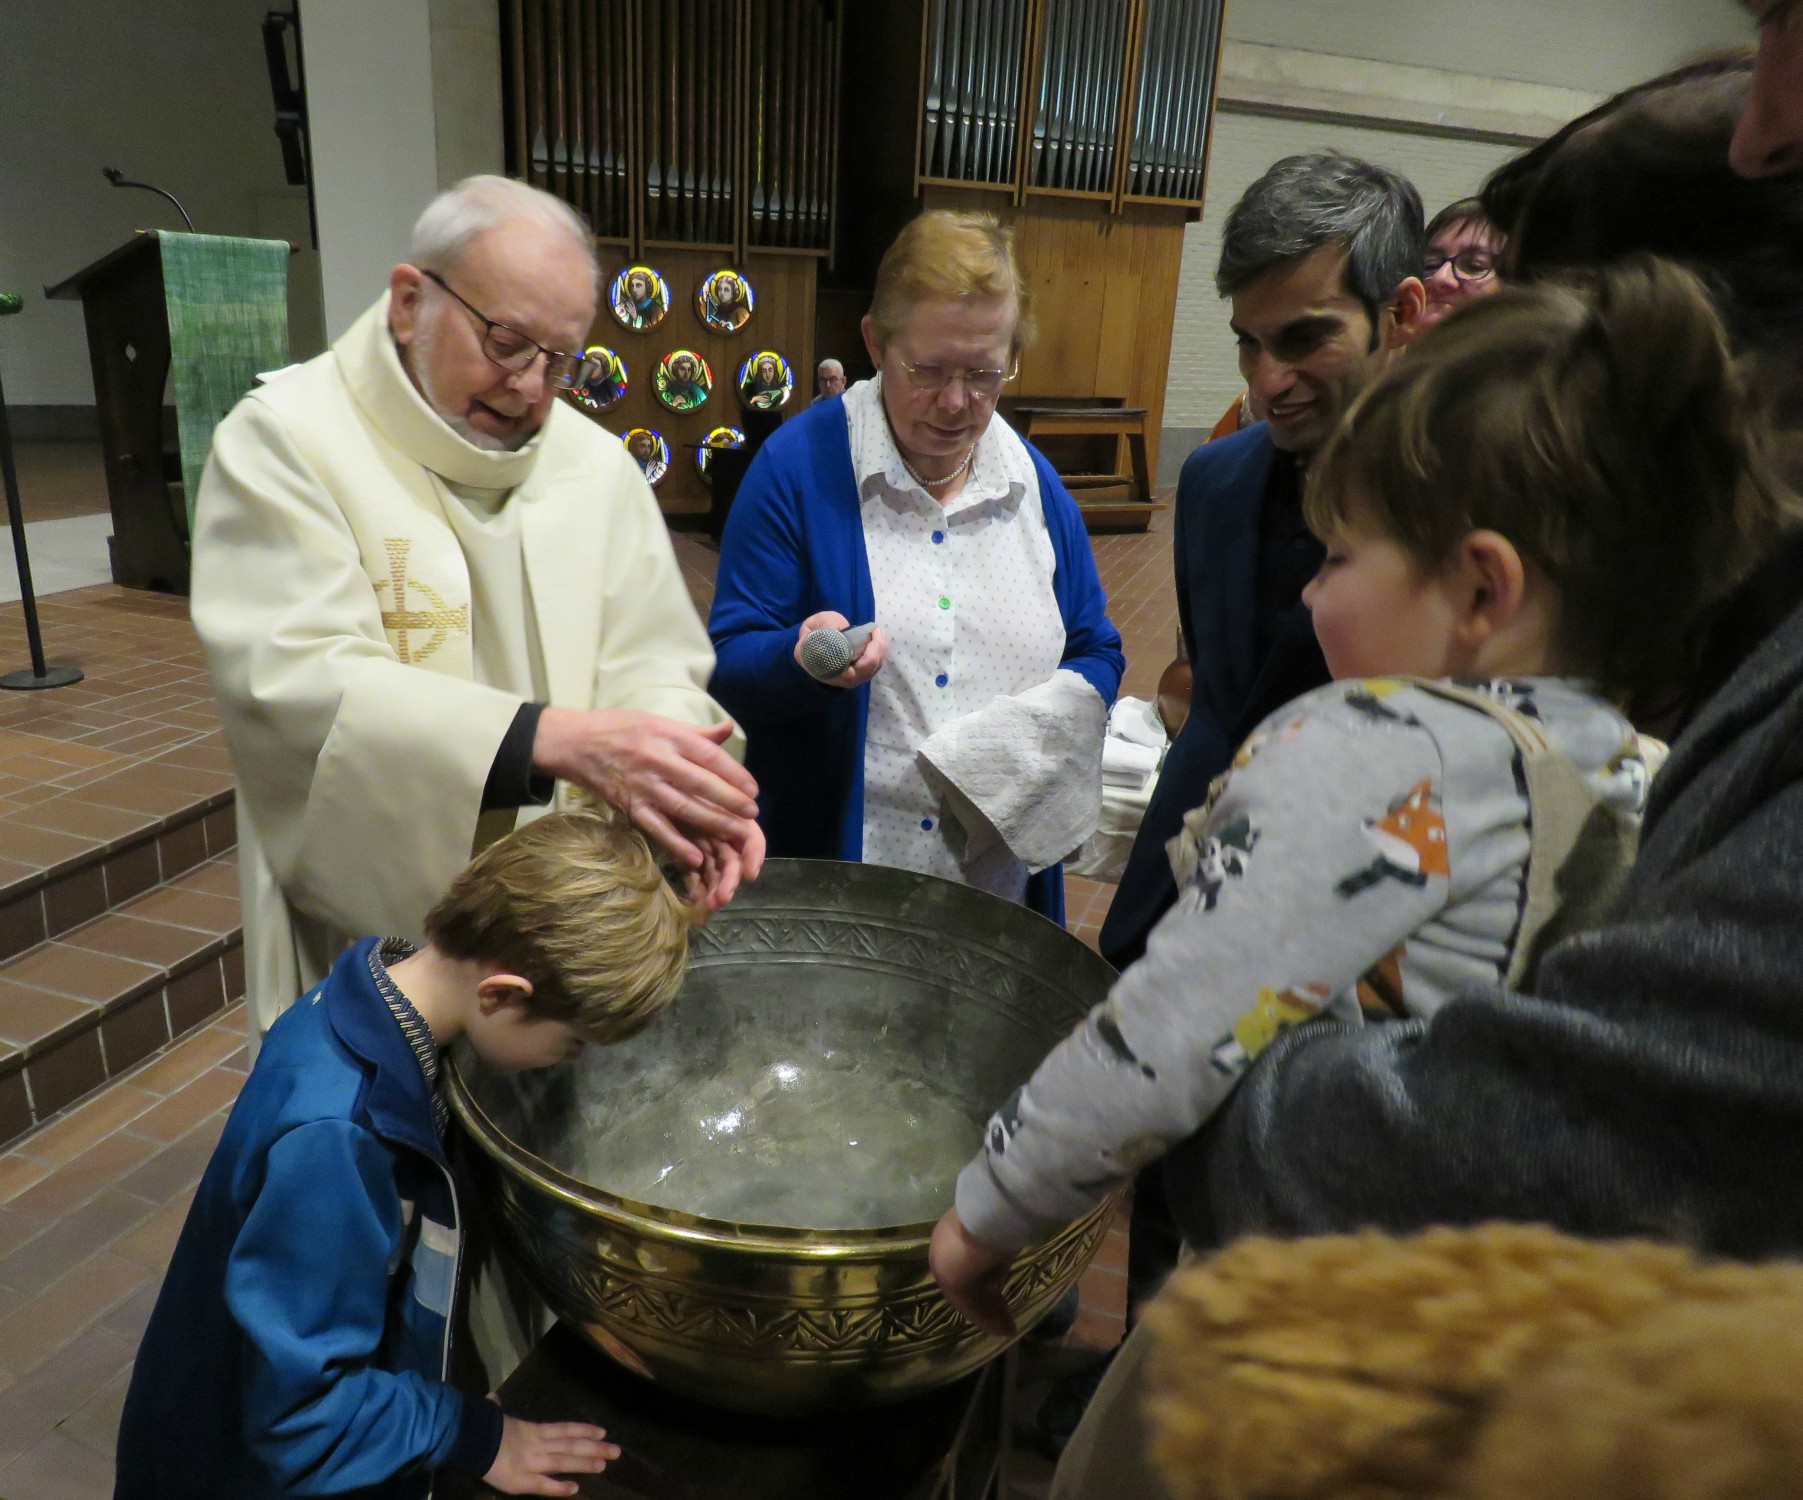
point(1533, 516)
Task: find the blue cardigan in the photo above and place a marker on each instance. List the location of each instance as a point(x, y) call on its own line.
point(793, 546)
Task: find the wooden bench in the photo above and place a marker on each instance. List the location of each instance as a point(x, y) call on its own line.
point(1117, 497)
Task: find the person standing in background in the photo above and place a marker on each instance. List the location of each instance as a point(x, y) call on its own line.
point(1321, 260)
point(1463, 260)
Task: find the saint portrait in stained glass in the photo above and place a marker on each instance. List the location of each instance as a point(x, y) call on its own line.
point(639, 297)
point(720, 437)
point(606, 390)
point(682, 380)
point(766, 380)
point(725, 301)
point(650, 452)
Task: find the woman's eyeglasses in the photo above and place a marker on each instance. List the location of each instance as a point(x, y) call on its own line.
point(979, 385)
point(512, 350)
point(1467, 265)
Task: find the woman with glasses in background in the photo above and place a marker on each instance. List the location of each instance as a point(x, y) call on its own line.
point(1464, 252)
point(908, 502)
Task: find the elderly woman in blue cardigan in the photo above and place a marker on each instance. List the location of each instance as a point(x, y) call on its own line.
point(964, 740)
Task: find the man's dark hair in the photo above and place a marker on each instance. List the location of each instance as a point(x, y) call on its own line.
point(1647, 172)
point(1304, 203)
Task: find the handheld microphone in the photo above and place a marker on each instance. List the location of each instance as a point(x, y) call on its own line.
point(826, 652)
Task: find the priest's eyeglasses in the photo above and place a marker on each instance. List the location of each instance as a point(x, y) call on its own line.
point(1467, 265)
point(512, 350)
point(979, 385)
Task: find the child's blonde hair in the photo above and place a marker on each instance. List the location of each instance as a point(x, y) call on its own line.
point(1600, 426)
point(576, 903)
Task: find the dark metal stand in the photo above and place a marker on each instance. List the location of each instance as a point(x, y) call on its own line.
point(40, 676)
point(950, 1444)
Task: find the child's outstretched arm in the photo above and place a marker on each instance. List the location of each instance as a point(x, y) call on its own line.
point(1324, 853)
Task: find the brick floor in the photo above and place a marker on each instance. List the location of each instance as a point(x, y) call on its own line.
point(91, 1201)
point(89, 1209)
point(59, 480)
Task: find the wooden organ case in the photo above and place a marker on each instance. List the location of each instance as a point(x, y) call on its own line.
point(1084, 123)
point(696, 136)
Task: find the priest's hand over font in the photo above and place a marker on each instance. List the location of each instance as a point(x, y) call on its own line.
point(674, 780)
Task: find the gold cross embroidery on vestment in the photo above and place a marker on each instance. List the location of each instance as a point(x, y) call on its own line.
point(397, 622)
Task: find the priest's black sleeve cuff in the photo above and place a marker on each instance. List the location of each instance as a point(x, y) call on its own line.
point(511, 780)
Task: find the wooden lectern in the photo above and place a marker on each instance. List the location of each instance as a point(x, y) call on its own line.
point(128, 343)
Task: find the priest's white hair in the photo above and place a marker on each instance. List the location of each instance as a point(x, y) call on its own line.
point(477, 204)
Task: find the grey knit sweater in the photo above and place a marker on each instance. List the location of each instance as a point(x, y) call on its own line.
point(1366, 853)
point(1653, 1085)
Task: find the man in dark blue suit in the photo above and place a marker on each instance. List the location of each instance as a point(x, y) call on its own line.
point(1321, 259)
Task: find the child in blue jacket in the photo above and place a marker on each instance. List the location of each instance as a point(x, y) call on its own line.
point(301, 1341)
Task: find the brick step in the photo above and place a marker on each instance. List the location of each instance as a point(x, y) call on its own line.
point(83, 850)
point(119, 926)
point(86, 1007)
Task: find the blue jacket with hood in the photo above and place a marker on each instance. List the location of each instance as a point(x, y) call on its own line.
point(301, 1339)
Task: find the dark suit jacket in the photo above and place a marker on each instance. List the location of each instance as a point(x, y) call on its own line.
point(1215, 547)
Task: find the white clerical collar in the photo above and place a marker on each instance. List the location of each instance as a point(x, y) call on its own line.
point(372, 369)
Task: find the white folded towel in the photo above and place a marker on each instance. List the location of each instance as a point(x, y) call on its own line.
point(1136, 721)
point(1126, 764)
point(1131, 760)
point(1025, 771)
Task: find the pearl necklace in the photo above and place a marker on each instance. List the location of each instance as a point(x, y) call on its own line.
point(934, 484)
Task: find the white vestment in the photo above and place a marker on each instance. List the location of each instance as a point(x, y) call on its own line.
point(336, 528)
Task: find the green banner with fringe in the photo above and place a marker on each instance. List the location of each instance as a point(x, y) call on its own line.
point(227, 300)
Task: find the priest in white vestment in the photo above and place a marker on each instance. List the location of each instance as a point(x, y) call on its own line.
point(430, 592)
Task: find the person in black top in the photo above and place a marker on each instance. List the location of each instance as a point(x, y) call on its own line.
point(1321, 260)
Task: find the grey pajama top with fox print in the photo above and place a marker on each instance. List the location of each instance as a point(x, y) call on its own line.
point(1366, 855)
